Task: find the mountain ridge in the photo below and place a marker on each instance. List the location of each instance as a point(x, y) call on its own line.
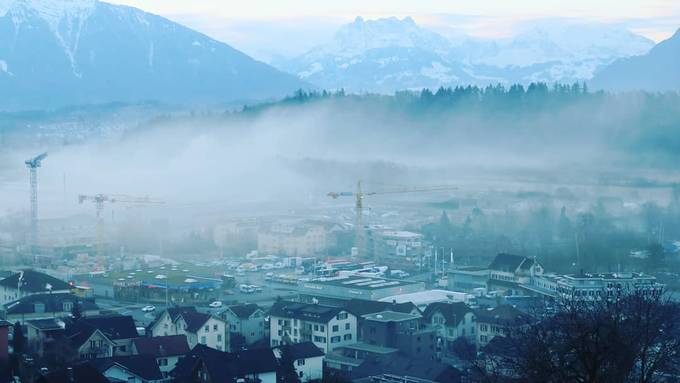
point(655, 71)
point(390, 54)
point(96, 52)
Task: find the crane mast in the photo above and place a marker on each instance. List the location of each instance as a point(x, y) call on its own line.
point(359, 196)
point(33, 164)
point(99, 200)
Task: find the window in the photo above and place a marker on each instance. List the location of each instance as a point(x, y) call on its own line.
point(316, 327)
point(320, 339)
point(280, 322)
point(215, 327)
point(335, 339)
point(300, 362)
point(322, 328)
point(162, 362)
point(348, 337)
point(336, 328)
point(342, 316)
point(347, 326)
point(219, 337)
point(206, 328)
point(203, 340)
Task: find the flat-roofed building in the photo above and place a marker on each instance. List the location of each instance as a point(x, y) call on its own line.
point(359, 287)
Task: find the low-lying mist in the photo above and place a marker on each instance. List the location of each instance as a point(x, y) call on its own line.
point(289, 154)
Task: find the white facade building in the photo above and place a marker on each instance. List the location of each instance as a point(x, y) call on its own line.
point(327, 327)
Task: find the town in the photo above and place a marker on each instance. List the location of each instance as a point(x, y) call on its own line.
point(339, 191)
point(389, 306)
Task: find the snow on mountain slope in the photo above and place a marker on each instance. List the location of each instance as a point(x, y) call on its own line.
point(64, 52)
point(381, 55)
point(565, 42)
point(385, 55)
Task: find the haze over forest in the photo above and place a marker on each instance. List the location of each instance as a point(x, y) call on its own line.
point(183, 117)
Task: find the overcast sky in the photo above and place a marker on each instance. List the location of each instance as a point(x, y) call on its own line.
point(264, 28)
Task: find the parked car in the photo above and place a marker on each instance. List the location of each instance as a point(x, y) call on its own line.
point(216, 304)
point(148, 309)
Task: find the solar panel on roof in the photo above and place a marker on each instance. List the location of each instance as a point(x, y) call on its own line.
point(367, 283)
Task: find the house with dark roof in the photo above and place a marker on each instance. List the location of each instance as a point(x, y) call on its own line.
point(508, 271)
point(497, 321)
point(247, 320)
point(403, 331)
point(451, 321)
point(43, 334)
point(204, 364)
point(102, 336)
point(326, 326)
point(199, 328)
point(50, 305)
point(131, 368)
point(165, 349)
point(406, 369)
point(29, 282)
point(307, 359)
point(79, 373)
point(4, 341)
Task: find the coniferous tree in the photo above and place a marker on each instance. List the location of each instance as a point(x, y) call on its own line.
point(286, 372)
point(19, 340)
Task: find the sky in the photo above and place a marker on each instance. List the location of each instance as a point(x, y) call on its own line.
point(270, 28)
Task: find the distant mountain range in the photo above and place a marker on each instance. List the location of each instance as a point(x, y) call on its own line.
point(659, 70)
point(390, 54)
point(63, 52)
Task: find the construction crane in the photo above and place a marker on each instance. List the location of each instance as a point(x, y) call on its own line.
point(359, 196)
point(33, 164)
point(99, 200)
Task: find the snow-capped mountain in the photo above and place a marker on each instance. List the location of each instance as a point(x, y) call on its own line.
point(381, 55)
point(655, 71)
point(390, 54)
point(62, 52)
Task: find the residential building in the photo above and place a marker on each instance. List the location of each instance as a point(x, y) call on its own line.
point(102, 336)
point(79, 373)
point(43, 334)
point(50, 305)
point(346, 358)
point(307, 359)
point(166, 350)
point(4, 341)
point(592, 286)
point(246, 320)
point(326, 326)
point(30, 282)
point(206, 365)
point(402, 369)
point(497, 322)
point(402, 331)
point(451, 321)
point(199, 328)
point(292, 239)
point(130, 369)
point(397, 244)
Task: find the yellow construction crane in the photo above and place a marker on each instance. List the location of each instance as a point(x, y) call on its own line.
point(359, 196)
point(99, 200)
